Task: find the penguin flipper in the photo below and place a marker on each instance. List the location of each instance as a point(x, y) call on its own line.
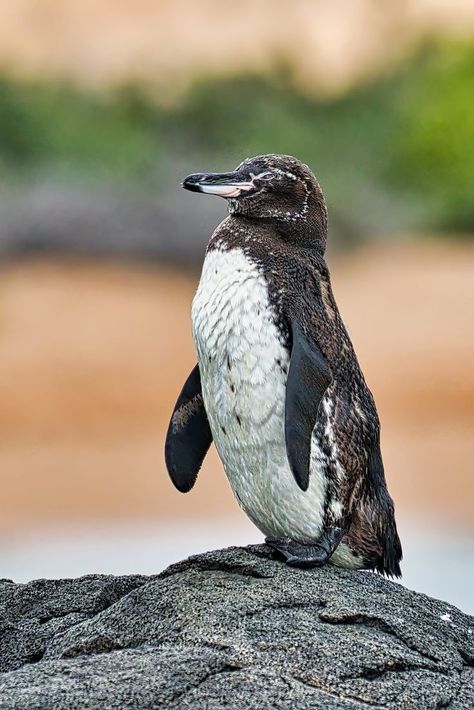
point(189, 435)
point(309, 376)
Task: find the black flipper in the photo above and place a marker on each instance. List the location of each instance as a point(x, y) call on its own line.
point(383, 514)
point(189, 435)
point(308, 378)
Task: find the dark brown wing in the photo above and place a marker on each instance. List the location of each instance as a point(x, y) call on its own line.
point(308, 378)
point(189, 435)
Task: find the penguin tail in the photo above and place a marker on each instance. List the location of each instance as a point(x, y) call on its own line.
point(388, 562)
point(384, 526)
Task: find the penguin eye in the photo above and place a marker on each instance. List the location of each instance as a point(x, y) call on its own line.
point(264, 176)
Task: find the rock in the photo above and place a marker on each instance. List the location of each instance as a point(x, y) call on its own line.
point(144, 225)
point(236, 629)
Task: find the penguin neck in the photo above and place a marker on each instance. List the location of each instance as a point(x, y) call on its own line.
point(306, 232)
point(302, 222)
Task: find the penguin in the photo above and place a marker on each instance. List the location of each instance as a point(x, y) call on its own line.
point(278, 387)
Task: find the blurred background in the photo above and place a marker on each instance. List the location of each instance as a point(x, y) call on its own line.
point(104, 106)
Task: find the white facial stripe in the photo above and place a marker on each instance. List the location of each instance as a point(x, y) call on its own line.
point(260, 175)
point(286, 173)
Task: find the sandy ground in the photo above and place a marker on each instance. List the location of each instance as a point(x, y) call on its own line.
point(92, 357)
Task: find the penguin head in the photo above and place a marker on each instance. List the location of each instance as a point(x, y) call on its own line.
point(273, 188)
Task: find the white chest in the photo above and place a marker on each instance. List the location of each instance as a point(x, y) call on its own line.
point(244, 367)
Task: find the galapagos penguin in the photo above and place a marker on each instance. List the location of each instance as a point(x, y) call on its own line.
point(278, 387)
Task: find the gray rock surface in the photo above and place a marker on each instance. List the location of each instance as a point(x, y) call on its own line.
point(160, 225)
point(234, 629)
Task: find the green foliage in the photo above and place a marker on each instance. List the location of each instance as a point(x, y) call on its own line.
point(433, 150)
point(393, 154)
point(46, 126)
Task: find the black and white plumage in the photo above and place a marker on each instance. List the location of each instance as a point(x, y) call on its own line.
point(278, 387)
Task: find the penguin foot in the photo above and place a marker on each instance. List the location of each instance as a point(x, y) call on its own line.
point(315, 554)
point(298, 555)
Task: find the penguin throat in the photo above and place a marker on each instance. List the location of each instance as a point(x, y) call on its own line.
point(304, 223)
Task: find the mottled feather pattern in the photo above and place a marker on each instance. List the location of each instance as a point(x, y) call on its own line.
point(243, 353)
point(243, 361)
point(181, 416)
point(297, 280)
point(281, 384)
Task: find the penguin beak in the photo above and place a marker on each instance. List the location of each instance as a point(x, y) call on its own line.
point(222, 184)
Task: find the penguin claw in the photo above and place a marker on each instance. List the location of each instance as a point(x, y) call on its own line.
point(278, 544)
